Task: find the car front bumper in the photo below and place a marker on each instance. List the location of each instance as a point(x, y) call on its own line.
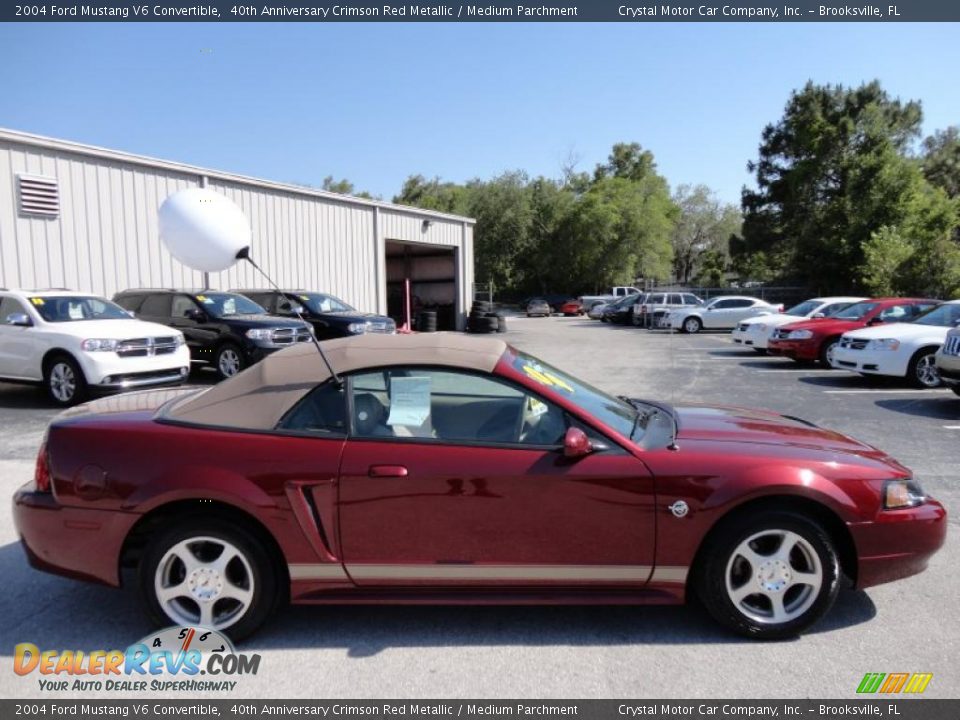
point(751, 338)
point(795, 349)
point(949, 369)
point(899, 543)
point(76, 542)
point(872, 362)
point(107, 371)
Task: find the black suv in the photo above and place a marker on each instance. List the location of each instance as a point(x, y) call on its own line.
point(330, 316)
point(225, 330)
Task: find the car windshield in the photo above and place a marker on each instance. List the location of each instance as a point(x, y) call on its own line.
point(803, 309)
point(71, 308)
point(946, 315)
point(320, 303)
point(857, 311)
point(220, 305)
point(613, 412)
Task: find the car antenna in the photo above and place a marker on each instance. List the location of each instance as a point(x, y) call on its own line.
point(244, 254)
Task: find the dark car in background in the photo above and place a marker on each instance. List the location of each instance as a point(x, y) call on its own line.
point(225, 330)
point(330, 316)
point(620, 312)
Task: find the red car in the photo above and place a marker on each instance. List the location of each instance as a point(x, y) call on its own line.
point(815, 340)
point(441, 468)
point(571, 308)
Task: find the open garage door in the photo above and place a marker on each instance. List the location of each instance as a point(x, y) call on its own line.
point(432, 274)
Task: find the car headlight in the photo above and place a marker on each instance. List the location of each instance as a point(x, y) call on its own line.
point(181, 341)
point(885, 344)
point(262, 334)
point(98, 345)
point(902, 493)
point(800, 335)
point(357, 328)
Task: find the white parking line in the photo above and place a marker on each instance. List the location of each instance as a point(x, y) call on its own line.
point(797, 370)
point(952, 427)
point(881, 390)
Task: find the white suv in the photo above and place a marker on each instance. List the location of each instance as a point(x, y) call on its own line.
point(75, 343)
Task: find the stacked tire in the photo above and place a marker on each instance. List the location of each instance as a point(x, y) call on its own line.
point(427, 321)
point(483, 319)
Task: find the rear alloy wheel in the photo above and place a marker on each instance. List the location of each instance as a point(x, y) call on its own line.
point(210, 573)
point(923, 371)
point(770, 577)
point(229, 361)
point(64, 381)
point(692, 325)
point(827, 351)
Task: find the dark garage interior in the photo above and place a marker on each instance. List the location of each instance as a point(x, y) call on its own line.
point(432, 272)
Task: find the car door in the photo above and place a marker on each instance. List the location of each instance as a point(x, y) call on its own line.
point(727, 313)
point(20, 348)
point(187, 316)
point(451, 478)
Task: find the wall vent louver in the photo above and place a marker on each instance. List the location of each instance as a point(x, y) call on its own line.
point(38, 195)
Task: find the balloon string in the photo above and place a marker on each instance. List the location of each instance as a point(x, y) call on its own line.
point(316, 343)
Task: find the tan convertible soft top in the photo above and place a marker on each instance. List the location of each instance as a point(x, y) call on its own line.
point(259, 397)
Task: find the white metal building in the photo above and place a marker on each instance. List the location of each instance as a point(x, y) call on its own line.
point(85, 218)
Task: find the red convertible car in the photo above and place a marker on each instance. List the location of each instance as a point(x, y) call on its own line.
point(440, 468)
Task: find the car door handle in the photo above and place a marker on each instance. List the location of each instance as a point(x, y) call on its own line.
point(387, 471)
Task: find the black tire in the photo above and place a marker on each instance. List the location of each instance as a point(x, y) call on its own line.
point(826, 351)
point(922, 371)
point(256, 568)
point(64, 381)
point(691, 325)
point(229, 360)
point(483, 325)
point(480, 306)
point(501, 324)
point(803, 604)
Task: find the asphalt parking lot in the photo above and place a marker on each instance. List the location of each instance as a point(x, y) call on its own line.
point(564, 652)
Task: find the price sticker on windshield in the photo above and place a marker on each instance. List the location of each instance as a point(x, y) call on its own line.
point(547, 378)
point(36, 301)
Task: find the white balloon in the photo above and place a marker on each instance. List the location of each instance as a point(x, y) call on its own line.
point(203, 229)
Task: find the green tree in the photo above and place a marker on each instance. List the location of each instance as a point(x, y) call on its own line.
point(831, 173)
point(885, 254)
point(344, 187)
point(941, 160)
point(704, 225)
point(433, 195)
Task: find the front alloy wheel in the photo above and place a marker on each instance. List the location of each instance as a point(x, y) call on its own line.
point(64, 381)
point(210, 573)
point(692, 325)
point(923, 370)
point(229, 361)
point(771, 576)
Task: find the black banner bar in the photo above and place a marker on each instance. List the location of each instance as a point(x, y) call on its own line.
point(623, 11)
point(894, 708)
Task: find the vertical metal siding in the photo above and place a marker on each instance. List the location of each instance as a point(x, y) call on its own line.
point(106, 237)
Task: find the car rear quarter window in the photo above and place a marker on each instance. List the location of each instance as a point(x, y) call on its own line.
point(322, 412)
point(156, 306)
point(129, 302)
point(691, 300)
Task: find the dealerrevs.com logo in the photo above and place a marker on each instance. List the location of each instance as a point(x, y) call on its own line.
point(178, 659)
point(889, 683)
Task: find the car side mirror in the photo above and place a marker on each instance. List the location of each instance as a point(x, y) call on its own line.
point(195, 315)
point(818, 316)
point(19, 320)
point(576, 444)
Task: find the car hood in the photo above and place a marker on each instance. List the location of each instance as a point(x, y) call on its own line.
point(743, 425)
point(113, 329)
point(260, 321)
point(826, 326)
point(901, 331)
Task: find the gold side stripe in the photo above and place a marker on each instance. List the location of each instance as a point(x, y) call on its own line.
point(326, 571)
point(537, 573)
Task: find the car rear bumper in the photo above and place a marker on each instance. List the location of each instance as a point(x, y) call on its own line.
point(872, 362)
point(795, 349)
point(78, 543)
point(899, 543)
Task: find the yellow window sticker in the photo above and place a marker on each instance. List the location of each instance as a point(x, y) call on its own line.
point(36, 300)
point(545, 378)
point(203, 298)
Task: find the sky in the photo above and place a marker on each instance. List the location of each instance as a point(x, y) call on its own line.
point(375, 103)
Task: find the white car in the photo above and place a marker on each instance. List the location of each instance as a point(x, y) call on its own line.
point(75, 343)
point(907, 350)
point(596, 312)
point(755, 332)
point(721, 313)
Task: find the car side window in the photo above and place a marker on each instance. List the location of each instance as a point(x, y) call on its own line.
point(181, 306)
point(675, 300)
point(10, 306)
point(444, 405)
point(722, 304)
point(156, 306)
point(690, 300)
point(322, 411)
point(895, 313)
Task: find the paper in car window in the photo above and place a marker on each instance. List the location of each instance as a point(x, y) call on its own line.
point(535, 407)
point(409, 401)
point(75, 312)
point(36, 301)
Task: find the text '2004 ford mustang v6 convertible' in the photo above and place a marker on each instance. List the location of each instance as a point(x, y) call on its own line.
point(441, 468)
